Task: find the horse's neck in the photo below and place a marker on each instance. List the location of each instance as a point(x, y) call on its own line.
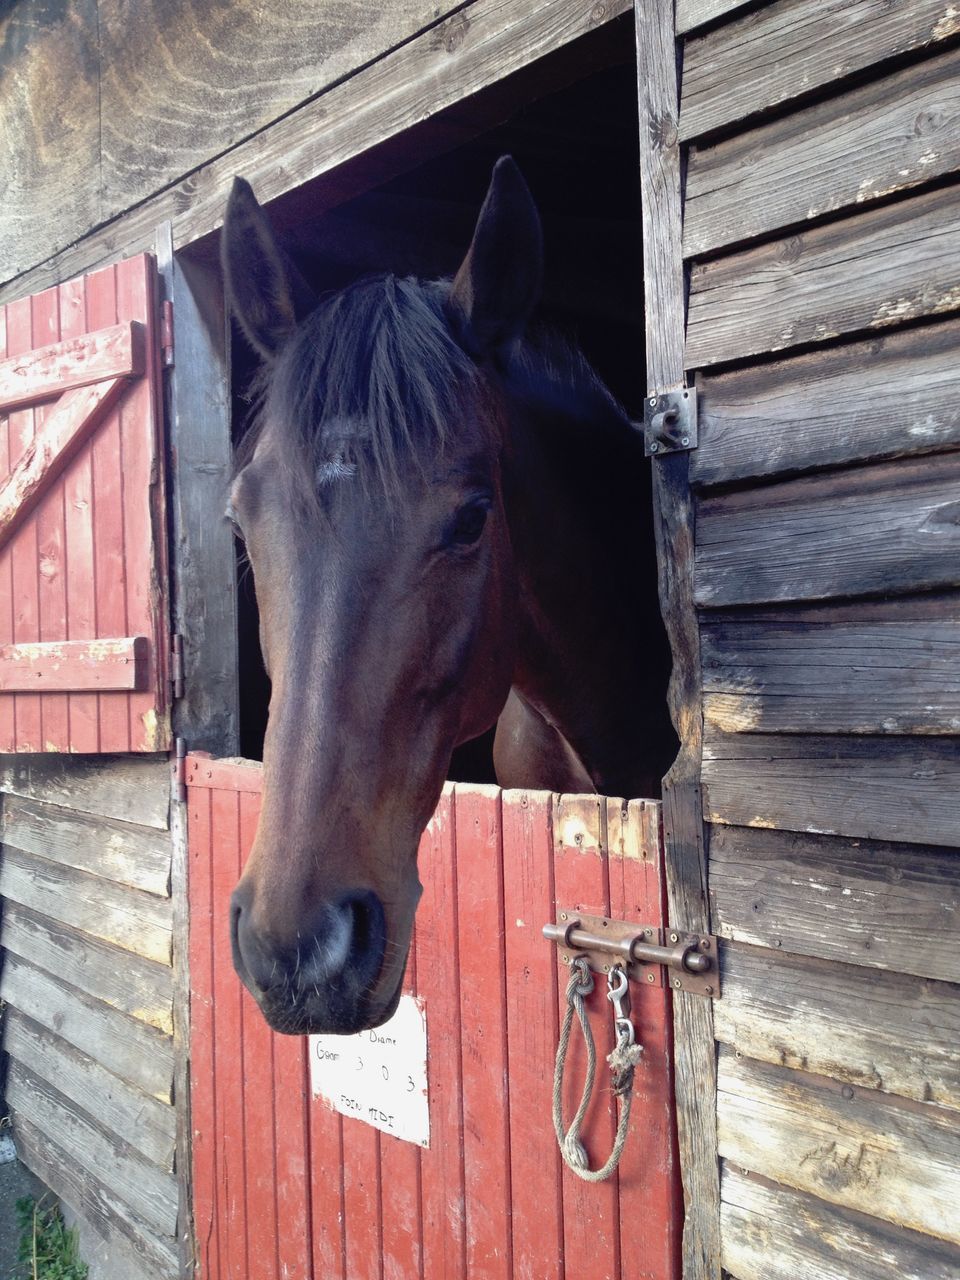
point(591, 652)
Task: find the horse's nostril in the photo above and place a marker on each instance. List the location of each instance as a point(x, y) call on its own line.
point(369, 931)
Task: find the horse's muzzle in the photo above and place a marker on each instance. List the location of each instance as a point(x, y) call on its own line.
point(323, 979)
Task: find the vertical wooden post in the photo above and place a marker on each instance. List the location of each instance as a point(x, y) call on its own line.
point(203, 587)
point(688, 906)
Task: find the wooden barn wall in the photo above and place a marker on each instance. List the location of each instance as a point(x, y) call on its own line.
point(145, 113)
point(822, 239)
point(86, 978)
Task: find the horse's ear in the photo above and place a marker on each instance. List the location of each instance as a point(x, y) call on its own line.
point(266, 292)
point(498, 283)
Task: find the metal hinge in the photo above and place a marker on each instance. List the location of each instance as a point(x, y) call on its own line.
point(166, 333)
point(176, 664)
point(670, 422)
point(179, 763)
point(646, 952)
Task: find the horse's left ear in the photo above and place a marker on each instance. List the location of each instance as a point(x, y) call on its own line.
point(498, 283)
point(266, 292)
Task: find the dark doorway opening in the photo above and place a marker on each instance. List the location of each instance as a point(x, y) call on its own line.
point(577, 147)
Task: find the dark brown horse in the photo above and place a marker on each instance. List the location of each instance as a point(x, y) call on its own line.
point(449, 527)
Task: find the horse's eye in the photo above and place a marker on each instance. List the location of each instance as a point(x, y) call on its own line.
point(231, 518)
point(468, 523)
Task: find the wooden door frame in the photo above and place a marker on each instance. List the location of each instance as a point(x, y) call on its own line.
point(197, 412)
point(685, 842)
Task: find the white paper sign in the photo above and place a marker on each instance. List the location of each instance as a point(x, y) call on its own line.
point(378, 1076)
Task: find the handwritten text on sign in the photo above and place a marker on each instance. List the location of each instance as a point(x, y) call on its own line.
point(379, 1076)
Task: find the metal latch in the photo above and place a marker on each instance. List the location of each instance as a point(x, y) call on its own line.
point(670, 422)
point(176, 664)
point(644, 951)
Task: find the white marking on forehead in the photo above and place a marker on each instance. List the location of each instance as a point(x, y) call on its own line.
point(335, 468)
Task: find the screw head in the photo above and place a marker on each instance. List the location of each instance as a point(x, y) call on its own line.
point(708, 990)
point(563, 915)
point(684, 440)
point(606, 968)
point(566, 959)
point(651, 978)
point(704, 944)
point(653, 401)
point(654, 446)
point(674, 937)
point(677, 983)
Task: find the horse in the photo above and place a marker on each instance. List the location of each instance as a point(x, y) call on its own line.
point(448, 519)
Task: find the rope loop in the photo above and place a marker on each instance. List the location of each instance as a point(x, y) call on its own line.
point(622, 1062)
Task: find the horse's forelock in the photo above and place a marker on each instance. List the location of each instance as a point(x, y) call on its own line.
point(372, 382)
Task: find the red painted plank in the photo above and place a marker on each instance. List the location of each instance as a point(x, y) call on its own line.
point(591, 1222)
point(401, 1227)
point(226, 774)
point(51, 575)
point(361, 1200)
point(84, 731)
point(438, 981)
point(203, 1032)
point(650, 1202)
point(72, 664)
point(55, 367)
point(23, 550)
point(326, 1192)
point(258, 1105)
point(532, 1032)
point(108, 548)
point(295, 1248)
point(228, 1047)
point(143, 508)
point(486, 1112)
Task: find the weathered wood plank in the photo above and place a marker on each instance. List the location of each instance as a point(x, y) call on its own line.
point(81, 1189)
point(64, 430)
point(129, 1048)
point(72, 665)
point(674, 522)
point(892, 1032)
point(115, 352)
point(49, 133)
point(866, 271)
point(147, 1125)
point(149, 1192)
point(879, 788)
point(849, 1146)
point(201, 458)
point(895, 394)
point(792, 47)
point(887, 136)
point(135, 986)
point(131, 855)
point(822, 677)
point(694, 13)
point(884, 529)
point(770, 1233)
point(132, 790)
point(878, 904)
point(401, 91)
point(128, 918)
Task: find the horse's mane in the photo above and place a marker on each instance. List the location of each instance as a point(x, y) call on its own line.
point(374, 378)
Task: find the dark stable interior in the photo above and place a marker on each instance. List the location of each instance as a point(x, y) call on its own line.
point(577, 147)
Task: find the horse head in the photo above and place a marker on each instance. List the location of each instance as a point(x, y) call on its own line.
point(371, 502)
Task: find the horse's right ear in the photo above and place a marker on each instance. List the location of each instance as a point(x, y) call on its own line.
point(498, 283)
point(265, 291)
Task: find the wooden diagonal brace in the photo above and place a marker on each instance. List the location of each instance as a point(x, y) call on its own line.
point(65, 429)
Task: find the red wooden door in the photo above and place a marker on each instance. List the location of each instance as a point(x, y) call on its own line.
point(287, 1189)
point(83, 617)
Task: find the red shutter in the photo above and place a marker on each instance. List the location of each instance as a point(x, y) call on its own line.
point(83, 606)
